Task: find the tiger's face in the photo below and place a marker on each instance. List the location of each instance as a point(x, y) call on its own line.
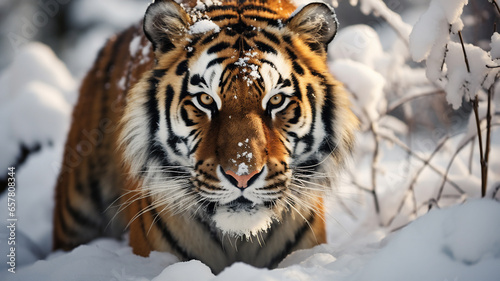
point(242, 122)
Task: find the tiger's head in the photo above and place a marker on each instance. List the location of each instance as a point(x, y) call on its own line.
point(239, 121)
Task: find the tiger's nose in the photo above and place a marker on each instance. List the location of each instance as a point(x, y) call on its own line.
point(241, 181)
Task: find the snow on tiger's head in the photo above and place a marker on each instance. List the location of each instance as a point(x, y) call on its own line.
point(239, 114)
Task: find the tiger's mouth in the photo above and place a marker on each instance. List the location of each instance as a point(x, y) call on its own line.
point(241, 204)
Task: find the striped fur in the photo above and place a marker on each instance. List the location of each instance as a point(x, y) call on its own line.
point(216, 145)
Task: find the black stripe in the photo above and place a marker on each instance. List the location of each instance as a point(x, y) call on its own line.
point(327, 117)
point(224, 17)
point(182, 67)
point(225, 79)
point(286, 83)
point(79, 188)
point(291, 244)
point(184, 92)
point(221, 8)
point(95, 192)
point(81, 218)
point(168, 236)
point(210, 38)
point(270, 64)
point(242, 44)
point(257, 8)
point(317, 47)
point(218, 47)
point(185, 117)
point(291, 54)
point(195, 79)
point(152, 108)
point(195, 147)
point(273, 38)
point(64, 226)
point(263, 47)
point(274, 185)
point(308, 139)
point(216, 61)
point(159, 73)
point(296, 87)
point(297, 68)
point(213, 233)
point(296, 115)
point(269, 21)
point(287, 39)
point(155, 150)
point(169, 95)
point(208, 176)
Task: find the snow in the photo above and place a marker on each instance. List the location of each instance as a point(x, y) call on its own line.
point(495, 46)
point(134, 45)
point(457, 243)
point(462, 68)
point(427, 32)
point(460, 81)
point(242, 169)
point(36, 97)
point(456, 240)
point(369, 94)
point(203, 26)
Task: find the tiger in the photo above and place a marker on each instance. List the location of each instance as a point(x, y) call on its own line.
point(212, 132)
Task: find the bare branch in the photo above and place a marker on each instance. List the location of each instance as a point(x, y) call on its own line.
point(406, 99)
point(484, 165)
point(463, 50)
point(451, 162)
point(475, 104)
point(374, 168)
point(496, 5)
point(409, 150)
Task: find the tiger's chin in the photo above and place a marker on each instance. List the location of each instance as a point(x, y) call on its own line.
point(243, 220)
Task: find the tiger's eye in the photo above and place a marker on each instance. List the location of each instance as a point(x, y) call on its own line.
point(276, 99)
point(206, 99)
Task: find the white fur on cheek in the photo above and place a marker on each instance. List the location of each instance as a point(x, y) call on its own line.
point(243, 222)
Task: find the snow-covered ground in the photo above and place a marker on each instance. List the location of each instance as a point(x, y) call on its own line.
point(458, 239)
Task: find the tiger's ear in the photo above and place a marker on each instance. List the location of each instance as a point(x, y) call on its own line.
point(165, 22)
point(317, 20)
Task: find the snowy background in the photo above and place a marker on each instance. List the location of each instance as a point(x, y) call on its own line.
point(409, 208)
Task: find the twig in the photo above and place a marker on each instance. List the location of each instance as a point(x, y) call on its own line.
point(471, 156)
point(495, 191)
point(432, 167)
point(406, 99)
point(414, 180)
point(484, 166)
point(373, 190)
point(463, 49)
point(496, 5)
point(445, 179)
point(374, 168)
point(475, 104)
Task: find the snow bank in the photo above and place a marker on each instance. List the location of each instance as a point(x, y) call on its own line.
point(369, 94)
point(36, 97)
point(457, 243)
